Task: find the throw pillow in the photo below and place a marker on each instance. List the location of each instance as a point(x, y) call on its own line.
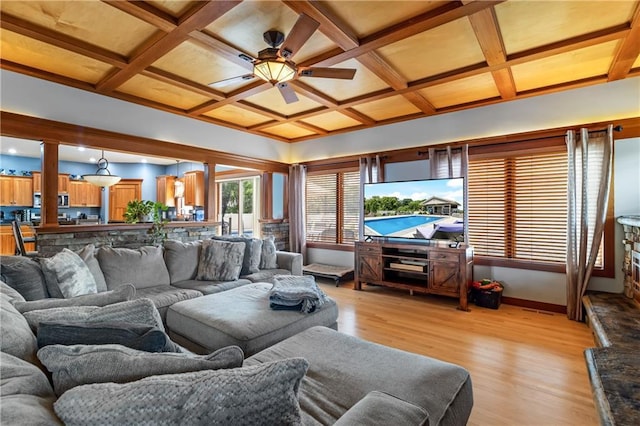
point(264, 394)
point(24, 275)
point(252, 252)
point(182, 259)
point(268, 260)
point(88, 254)
point(73, 366)
point(143, 267)
point(141, 311)
point(67, 275)
point(123, 293)
point(220, 260)
point(17, 338)
point(136, 336)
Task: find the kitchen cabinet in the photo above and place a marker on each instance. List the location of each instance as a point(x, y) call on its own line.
point(194, 188)
point(16, 191)
point(8, 242)
point(63, 182)
point(84, 194)
point(119, 196)
point(166, 190)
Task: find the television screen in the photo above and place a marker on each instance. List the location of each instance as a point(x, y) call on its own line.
point(422, 209)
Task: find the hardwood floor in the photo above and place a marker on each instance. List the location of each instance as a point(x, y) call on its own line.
point(527, 367)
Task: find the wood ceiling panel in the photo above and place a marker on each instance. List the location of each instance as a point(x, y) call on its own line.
point(288, 131)
point(445, 48)
point(366, 18)
point(173, 7)
point(636, 64)
point(167, 94)
point(240, 116)
point(271, 99)
point(33, 53)
point(197, 63)
point(385, 109)
point(245, 24)
point(364, 82)
point(462, 91)
point(332, 121)
point(576, 65)
point(529, 24)
point(89, 21)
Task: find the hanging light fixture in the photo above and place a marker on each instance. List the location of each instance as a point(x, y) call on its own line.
point(102, 176)
point(272, 65)
point(178, 185)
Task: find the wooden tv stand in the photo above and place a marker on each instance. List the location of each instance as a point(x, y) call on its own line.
point(432, 268)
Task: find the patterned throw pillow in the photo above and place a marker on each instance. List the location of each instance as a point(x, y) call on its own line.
point(265, 394)
point(268, 259)
point(252, 252)
point(67, 275)
point(220, 260)
point(73, 366)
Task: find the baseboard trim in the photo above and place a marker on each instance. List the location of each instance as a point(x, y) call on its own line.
point(532, 304)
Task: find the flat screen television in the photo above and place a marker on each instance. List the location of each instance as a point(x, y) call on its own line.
point(430, 209)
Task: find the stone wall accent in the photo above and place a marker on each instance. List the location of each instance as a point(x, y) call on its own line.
point(631, 229)
point(280, 231)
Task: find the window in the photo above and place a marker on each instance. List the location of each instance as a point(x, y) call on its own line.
point(333, 207)
point(238, 205)
point(517, 207)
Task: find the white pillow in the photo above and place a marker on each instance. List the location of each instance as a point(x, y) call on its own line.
point(67, 275)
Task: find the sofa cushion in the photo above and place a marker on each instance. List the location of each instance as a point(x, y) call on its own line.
point(268, 259)
point(379, 408)
point(211, 287)
point(141, 311)
point(165, 296)
point(182, 259)
point(266, 275)
point(27, 397)
point(12, 294)
point(261, 395)
point(120, 294)
point(25, 275)
point(136, 336)
point(88, 255)
point(73, 366)
point(252, 252)
point(67, 275)
point(220, 260)
point(17, 338)
point(143, 267)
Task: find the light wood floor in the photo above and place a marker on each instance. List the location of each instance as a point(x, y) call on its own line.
point(527, 367)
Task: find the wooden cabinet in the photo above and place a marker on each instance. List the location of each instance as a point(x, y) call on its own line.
point(194, 188)
point(8, 242)
point(84, 194)
point(166, 190)
point(16, 191)
point(63, 182)
point(417, 267)
point(120, 194)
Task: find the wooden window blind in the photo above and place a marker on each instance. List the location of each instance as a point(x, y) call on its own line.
point(333, 207)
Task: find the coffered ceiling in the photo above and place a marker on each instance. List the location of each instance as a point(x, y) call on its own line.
point(411, 58)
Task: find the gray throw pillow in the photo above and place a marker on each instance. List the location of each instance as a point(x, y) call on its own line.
point(121, 294)
point(252, 252)
point(141, 311)
point(17, 338)
point(220, 260)
point(268, 260)
point(136, 336)
point(265, 394)
point(88, 254)
point(67, 275)
point(182, 259)
point(143, 267)
point(24, 275)
point(73, 366)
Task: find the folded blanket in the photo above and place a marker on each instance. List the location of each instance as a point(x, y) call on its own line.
point(291, 292)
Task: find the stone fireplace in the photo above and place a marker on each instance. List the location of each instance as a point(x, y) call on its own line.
point(631, 262)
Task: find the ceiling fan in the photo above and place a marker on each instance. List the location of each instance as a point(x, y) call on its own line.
point(274, 64)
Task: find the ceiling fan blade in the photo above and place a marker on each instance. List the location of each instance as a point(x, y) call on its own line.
point(287, 93)
point(343, 73)
point(302, 30)
point(232, 80)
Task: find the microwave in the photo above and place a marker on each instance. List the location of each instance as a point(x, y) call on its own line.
point(63, 200)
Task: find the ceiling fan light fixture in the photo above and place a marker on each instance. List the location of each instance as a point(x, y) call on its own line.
point(274, 71)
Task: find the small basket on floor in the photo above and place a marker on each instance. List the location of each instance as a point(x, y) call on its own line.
point(487, 293)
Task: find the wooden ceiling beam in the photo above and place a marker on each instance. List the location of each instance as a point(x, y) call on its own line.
point(357, 115)
point(199, 16)
point(260, 110)
point(628, 51)
point(147, 13)
point(63, 41)
point(250, 89)
point(224, 49)
point(311, 127)
point(313, 93)
point(183, 83)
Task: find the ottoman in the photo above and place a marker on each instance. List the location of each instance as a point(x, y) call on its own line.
point(240, 317)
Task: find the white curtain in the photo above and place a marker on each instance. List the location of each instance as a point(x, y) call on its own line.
point(452, 163)
point(297, 200)
point(371, 171)
point(589, 177)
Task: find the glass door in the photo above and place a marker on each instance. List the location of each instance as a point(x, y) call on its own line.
point(239, 206)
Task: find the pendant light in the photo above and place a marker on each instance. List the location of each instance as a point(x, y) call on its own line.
point(178, 185)
point(102, 176)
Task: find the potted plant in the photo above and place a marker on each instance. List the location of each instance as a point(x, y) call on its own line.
point(139, 211)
